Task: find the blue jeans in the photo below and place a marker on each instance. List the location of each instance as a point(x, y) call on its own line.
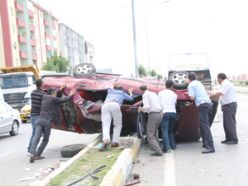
point(33, 122)
point(168, 124)
point(42, 126)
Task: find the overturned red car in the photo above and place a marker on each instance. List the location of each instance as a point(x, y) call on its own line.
point(83, 114)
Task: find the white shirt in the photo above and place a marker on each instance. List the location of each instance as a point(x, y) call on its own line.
point(168, 100)
point(228, 91)
point(151, 102)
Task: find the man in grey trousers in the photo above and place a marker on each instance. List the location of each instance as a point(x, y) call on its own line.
point(229, 108)
point(48, 114)
point(151, 105)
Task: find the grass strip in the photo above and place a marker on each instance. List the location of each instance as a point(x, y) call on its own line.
point(90, 161)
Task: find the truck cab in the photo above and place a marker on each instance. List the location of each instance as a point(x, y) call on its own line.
point(16, 82)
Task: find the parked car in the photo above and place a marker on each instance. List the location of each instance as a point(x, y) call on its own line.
point(9, 119)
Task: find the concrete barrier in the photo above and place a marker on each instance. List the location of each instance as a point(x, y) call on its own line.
point(123, 166)
point(242, 90)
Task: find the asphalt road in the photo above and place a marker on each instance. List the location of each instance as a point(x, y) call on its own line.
point(188, 167)
point(14, 162)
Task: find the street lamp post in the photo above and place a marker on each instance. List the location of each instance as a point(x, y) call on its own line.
point(135, 41)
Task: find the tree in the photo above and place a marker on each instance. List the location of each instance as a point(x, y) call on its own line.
point(142, 71)
point(153, 73)
point(56, 63)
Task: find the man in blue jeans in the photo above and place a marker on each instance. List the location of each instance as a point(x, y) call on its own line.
point(48, 114)
point(168, 100)
point(36, 99)
point(198, 94)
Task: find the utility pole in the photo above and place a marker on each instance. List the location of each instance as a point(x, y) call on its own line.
point(135, 40)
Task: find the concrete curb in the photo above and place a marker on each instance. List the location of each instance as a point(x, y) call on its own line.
point(67, 164)
point(123, 166)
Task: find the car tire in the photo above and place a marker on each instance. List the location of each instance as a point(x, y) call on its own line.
point(14, 129)
point(24, 121)
point(179, 79)
point(71, 150)
point(84, 69)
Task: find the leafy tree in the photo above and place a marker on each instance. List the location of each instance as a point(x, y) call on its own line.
point(56, 63)
point(153, 73)
point(142, 71)
point(160, 76)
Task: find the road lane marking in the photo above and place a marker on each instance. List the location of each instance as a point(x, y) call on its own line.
point(169, 169)
point(6, 154)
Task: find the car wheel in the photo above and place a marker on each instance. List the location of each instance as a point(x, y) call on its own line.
point(84, 69)
point(24, 121)
point(179, 79)
point(14, 129)
point(71, 150)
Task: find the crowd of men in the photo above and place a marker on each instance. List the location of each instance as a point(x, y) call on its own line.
point(161, 110)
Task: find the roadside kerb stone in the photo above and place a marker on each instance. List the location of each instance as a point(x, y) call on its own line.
point(123, 165)
point(67, 164)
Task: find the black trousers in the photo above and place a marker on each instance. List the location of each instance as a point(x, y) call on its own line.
point(229, 121)
point(204, 110)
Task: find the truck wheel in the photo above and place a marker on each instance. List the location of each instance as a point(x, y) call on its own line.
point(84, 69)
point(14, 129)
point(71, 150)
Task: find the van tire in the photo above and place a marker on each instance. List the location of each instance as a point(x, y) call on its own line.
point(71, 150)
point(84, 69)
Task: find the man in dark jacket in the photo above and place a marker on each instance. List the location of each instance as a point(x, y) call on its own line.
point(48, 112)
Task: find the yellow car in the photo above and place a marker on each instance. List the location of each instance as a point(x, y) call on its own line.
point(26, 110)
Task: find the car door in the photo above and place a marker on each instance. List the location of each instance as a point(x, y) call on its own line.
point(6, 118)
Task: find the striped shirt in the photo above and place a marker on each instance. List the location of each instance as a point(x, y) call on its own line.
point(36, 100)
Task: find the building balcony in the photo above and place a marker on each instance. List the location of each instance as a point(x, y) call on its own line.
point(19, 7)
point(32, 28)
point(33, 42)
point(35, 57)
point(23, 55)
point(31, 14)
point(20, 23)
point(21, 39)
point(49, 48)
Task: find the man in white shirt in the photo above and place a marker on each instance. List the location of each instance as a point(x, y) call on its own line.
point(229, 108)
point(151, 105)
point(168, 100)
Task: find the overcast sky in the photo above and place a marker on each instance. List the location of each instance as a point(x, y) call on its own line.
point(217, 29)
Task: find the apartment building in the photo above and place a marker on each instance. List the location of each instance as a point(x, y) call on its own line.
point(29, 32)
point(74, 47)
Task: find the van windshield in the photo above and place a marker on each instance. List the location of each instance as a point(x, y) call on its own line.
point(13, 81)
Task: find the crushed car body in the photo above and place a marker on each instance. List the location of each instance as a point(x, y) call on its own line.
point(83, 114)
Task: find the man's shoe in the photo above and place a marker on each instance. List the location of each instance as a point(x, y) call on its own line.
point(231, 142)
point(114, 145)
point(165, 150)
point(203, 146)
point(207, 151)
point(225, 141)
point(104, 147)
point(39, 157)
point(156, 154)
point(32, 159)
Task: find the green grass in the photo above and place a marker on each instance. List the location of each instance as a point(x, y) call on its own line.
point(90, 161)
